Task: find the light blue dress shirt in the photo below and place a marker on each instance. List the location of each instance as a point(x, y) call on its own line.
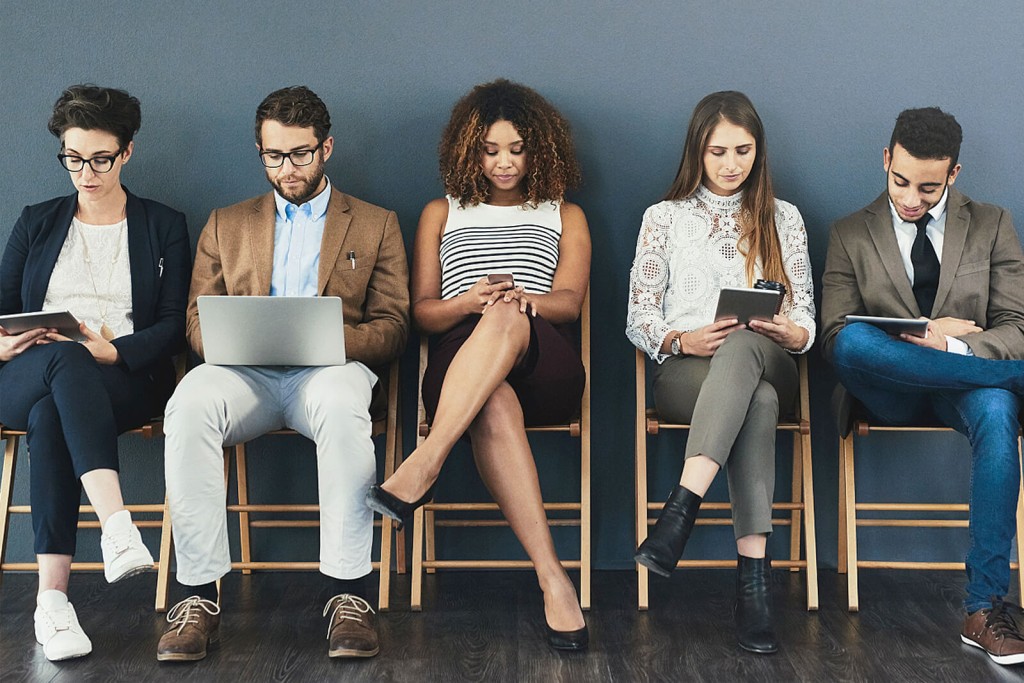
point(298, 232)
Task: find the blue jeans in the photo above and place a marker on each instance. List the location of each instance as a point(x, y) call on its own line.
point(900, 383)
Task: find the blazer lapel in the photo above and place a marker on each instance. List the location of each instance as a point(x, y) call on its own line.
point(880, 228)
point(335, 230)
point(142, 261)
point(953, 240)
point(39, 282)
point(262, 223)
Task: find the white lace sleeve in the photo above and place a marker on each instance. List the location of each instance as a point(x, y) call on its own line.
point(800, 306)
point(648, 280)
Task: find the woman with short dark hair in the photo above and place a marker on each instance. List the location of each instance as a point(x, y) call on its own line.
point(120, 264)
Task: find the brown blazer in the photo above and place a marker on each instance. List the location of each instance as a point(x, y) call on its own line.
point(235, 256)
point(981, 276)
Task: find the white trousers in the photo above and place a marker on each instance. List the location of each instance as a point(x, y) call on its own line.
point(218, 406)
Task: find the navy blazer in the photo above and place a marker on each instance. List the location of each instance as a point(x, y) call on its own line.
point(160, 259)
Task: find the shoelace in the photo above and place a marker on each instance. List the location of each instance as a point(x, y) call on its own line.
point(346, 606)
point(120, 540)
point(1000, 620)
point(187, 611)
point(60, 619)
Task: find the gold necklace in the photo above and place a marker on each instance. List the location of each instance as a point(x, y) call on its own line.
point(105, 331)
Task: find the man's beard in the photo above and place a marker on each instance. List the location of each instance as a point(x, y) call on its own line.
point(304, 192)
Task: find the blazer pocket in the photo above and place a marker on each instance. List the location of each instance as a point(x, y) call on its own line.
point(974, 267)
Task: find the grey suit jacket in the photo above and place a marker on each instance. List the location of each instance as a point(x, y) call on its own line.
point(235, 256)
point(981, 276)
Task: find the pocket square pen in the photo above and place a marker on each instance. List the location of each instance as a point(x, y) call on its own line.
point(160, 267)
point(352, 259)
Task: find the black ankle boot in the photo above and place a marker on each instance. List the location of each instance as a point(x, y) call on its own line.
point(754, 621)
point(664, 545)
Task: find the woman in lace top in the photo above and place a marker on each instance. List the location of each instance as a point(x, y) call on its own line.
point(721, 226)
point(500, 268)
point(120, 264)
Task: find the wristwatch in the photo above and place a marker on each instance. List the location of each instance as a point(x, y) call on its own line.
point(676, 347)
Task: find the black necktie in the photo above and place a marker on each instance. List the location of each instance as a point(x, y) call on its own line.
point(926, 267)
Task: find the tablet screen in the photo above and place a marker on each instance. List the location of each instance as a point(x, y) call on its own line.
point(747, 304)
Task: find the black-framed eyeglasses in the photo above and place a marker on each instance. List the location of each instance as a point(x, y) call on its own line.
point(300, 157)
point(99, 164)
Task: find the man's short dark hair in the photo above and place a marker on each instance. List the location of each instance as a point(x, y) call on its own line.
point(928, 133)
point(296, 105)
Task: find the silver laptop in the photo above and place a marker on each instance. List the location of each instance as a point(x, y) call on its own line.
point(272, 330)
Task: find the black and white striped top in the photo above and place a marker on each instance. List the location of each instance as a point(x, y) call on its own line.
point(482, 239)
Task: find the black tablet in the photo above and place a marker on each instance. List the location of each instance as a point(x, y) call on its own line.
point(895, 326)
point(62, 321)
point(747, 304)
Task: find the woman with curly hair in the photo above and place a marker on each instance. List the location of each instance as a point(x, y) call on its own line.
point(501, 266)
point(721, 226)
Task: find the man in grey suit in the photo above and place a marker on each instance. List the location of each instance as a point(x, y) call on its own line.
point(923, 249)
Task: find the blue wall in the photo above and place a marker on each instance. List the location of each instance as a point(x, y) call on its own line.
point(828, 82)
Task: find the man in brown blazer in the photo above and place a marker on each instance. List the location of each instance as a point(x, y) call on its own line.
point(923, 249)
point(305, 238)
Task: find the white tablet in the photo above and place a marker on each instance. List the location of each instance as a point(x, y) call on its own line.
point(895, 326)
point(62, 321)
point(747, 304)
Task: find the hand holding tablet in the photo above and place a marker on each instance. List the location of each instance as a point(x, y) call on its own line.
point(747, 304)
point(62, 321)
point(916, 327)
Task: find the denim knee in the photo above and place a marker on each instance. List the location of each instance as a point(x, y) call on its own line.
point(854, 342)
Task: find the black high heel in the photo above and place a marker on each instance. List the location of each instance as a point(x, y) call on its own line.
point(569, 640)
point(388, 505)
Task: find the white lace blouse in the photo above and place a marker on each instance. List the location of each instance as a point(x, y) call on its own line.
point(687, 252)
point(92, 277)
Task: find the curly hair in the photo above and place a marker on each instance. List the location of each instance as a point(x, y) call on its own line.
point(296, 105)
point(91, 107)
point(928, 133)
point(551, 159)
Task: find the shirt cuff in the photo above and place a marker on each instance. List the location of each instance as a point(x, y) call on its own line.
point(958, 346)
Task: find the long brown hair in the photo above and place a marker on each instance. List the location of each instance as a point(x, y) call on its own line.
point(759, 238)
point(551, 158)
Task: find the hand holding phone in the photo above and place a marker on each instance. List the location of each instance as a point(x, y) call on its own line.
point(496, 278)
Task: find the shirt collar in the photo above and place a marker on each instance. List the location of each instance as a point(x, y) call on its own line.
point(935, 212)
point(317, 205)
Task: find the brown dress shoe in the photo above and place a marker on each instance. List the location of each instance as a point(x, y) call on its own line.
point(994, 630)
point(193, 626)
point(351, 631)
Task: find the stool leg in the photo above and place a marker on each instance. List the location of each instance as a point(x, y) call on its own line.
point(810, 542)
point(850, 514)
point(243, 499)
point(1020, 529)
point(797, 490)
point(416, 597)
point(6, 490)
point(164, 572)
point(428, 523)
point(842, 510)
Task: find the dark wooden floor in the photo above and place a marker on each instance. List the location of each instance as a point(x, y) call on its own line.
point(488, 627)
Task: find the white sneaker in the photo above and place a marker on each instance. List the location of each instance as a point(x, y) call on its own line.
point(57, 627)
point(124, 554)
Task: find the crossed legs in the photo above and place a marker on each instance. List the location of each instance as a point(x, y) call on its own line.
point(900, 383)
point(476, 397)
point(732, 401)
point(72, 409)
point(506, 465)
